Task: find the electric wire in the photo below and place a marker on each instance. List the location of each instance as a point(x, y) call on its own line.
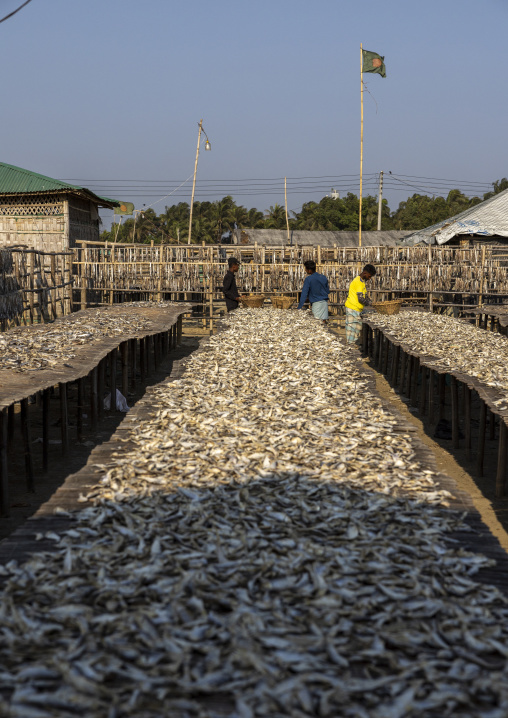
point(15, 11)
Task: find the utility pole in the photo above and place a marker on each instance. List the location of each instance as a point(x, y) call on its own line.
point(380, 201)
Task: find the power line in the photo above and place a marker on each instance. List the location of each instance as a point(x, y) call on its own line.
point(15, 11)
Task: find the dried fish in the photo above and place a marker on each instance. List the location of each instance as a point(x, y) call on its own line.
point(264, 544)
point(50, 345)
point(452, 344)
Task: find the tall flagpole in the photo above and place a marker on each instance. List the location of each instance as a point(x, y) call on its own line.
point(286, 201)
point(361, 149)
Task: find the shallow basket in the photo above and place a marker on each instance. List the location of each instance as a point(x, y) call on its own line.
point(254, 301)
point(282, 301)
point(391, 307)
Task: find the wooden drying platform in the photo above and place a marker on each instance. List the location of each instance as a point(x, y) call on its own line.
point(492, 316)
point(479, 539)
point(56, 514)
point(403, 367)
point(88, 369)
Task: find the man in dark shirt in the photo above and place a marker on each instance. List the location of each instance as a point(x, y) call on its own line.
point(229, 285)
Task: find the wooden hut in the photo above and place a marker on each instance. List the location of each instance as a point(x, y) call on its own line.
point(46, 214)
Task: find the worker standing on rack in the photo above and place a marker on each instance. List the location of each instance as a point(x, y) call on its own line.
point(356, 300)
point(229, 285)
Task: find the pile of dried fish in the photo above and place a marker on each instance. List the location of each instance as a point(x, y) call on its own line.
point(266, 544)
point(453, 344)
point(50, 345)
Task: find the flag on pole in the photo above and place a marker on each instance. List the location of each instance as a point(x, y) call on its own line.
point(372, 62)
point(125, 208)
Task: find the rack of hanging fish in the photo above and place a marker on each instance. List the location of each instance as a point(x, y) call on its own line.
point(111, 273)
point(35, 286)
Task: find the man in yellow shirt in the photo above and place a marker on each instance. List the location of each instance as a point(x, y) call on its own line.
point(355, 302)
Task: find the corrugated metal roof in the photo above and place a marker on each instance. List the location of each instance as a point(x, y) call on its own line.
point(489, 218)
point(16, 180)
point(278, 237)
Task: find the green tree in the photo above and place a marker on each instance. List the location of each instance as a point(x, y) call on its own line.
point(276, 217)
point(498, 186)
point(255, 219)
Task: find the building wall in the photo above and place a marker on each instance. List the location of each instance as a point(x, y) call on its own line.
point(47, 223)
point(36, 221)
point(83, 221)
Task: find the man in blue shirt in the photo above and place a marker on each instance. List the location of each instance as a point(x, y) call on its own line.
point(316, 290)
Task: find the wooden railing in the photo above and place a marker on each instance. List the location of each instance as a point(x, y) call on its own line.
point(35, 286)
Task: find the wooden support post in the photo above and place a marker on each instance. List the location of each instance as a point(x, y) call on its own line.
point(155, 345)
point(442, 395)
point(100, 390)
point(410, 372)
point(385, 356)
point(423, 390)
point(112, 378)
point(10, 428)
point(492, 425)
point(83, 302)
point(142, 355)
point(96, 398)
point(402, 371)
point(431, 387)
point(395, 363)
point(27, 445)
point(467, 420)
point(46, 396)
point(149, 351)
point(5, 503)
point(377, 348)
point(124, 350)
point(132, 357)
point(501, 459)
point(365, 339)
point(64, 417)
point(455, 413)
point(481, 439)
point(179, 330)
point(414, 382)
point(79, 411)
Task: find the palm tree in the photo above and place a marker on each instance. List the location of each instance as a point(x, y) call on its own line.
point(255, 219)
point(276, 218)
point(222, 214)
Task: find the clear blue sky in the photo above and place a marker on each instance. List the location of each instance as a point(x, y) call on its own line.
point(114, 89)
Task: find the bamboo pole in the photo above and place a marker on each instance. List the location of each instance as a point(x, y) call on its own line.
point(194, 181)
point(361, 149)
point(286, 204)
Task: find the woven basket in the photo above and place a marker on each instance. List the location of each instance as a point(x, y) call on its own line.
point(254, 301)
point(282, 301)
point(392, 307)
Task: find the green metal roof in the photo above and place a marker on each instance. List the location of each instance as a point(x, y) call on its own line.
point(16, 180)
